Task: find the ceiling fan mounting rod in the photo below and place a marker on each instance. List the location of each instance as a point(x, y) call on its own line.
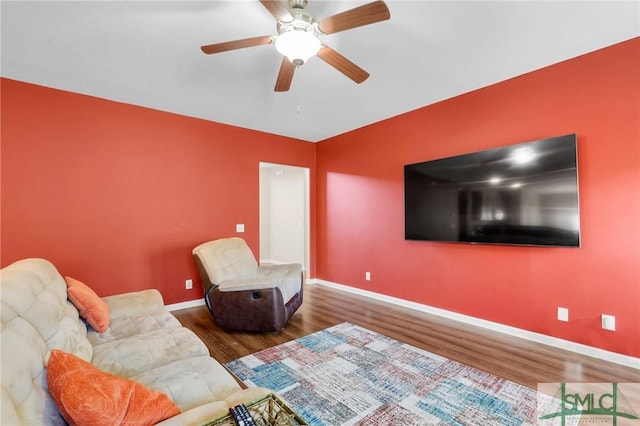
point(302, 21)
point(298, 4)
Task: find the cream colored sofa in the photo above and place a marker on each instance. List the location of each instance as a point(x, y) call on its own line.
point(144, 342)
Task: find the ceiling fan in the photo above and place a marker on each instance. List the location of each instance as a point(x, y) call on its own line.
point(299, 37)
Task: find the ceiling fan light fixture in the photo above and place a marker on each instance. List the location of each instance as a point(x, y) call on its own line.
point(299, 35)
point(298, 45)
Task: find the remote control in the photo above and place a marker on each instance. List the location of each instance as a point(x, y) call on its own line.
point(241, 415)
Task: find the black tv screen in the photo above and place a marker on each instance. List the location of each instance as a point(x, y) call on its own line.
point(523, 194)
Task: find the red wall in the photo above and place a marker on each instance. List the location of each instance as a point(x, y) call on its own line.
point(361, 217)
point(118, 195)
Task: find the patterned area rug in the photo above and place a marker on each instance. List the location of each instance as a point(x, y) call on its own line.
point(348, 375)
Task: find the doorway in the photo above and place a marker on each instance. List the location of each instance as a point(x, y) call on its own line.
point(284, 214)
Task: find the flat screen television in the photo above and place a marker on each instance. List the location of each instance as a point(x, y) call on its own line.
point(522, 194)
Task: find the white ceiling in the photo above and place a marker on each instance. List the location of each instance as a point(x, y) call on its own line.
point(147, 53)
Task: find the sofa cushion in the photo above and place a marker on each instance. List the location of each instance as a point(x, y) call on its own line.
point(191, 382)
point(91, 307)
point(88, 396)
point(133, 325)
point(133, 355)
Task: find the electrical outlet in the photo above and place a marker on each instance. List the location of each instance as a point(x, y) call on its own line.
point(563, 314)
point(367, 276)
point(240, 227)
point(188, 284)
point(608, 322)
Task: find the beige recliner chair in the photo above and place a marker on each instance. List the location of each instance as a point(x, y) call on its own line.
point(242, 295)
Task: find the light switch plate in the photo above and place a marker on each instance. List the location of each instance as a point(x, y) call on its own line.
point(563, 314)
point(240, 227)
point(609, 322)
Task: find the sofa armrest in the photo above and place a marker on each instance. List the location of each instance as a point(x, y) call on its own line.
point(125, 304)
point(197, 415)
point(205, 413)
point(248, 284)
point(280, 271)
point(245, 396)
point(288, 278)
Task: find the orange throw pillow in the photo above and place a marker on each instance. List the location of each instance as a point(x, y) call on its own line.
point(88, 396)
point(91, 307)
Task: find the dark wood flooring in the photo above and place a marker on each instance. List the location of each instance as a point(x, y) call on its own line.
point(516, 359)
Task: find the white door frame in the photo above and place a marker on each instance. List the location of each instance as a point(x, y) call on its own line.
point(306, 224)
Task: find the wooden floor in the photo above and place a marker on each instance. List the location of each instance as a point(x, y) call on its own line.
point(519, 360)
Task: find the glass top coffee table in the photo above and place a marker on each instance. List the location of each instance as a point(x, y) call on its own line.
point(267, 411)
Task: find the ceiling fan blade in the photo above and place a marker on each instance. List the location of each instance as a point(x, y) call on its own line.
point(278, 9)
point(364, 15)
point(236, 44)
point(285, 75)
point(342, 64)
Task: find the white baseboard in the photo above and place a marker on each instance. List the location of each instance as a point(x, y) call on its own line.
point(184, 305)
point(591, 351)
